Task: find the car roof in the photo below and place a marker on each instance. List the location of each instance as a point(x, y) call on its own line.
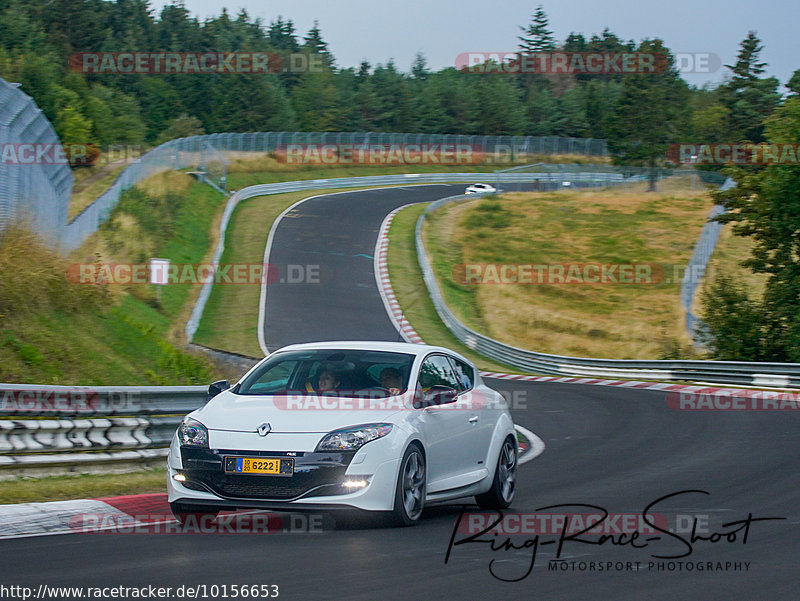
point(372, 345)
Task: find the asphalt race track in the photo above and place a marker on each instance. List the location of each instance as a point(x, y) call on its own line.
point(612, 448)
point(334, 236)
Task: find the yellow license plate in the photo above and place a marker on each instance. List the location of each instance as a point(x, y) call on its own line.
point(269, 466)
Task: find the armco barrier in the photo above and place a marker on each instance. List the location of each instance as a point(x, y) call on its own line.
point(730, 372)
point(48, 426)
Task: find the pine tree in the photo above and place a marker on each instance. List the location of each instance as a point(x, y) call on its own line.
point(749, 97)
point(575, 42)
point(537, 38)
point(281, 35)
point(419, 69)
point(314, 44)
point(747, 67)
point(363, 70)
point(794, 82)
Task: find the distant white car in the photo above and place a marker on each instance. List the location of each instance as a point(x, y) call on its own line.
point(377, 426)
point(480, 189)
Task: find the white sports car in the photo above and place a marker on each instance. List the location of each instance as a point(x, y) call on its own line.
point(481, 189)
point(377, 426)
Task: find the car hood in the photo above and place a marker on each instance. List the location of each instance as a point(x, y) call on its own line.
point(295, 413)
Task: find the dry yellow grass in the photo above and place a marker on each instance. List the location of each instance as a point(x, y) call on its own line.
point(166, 181)
point(600, 226)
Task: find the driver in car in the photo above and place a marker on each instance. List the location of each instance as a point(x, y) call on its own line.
point(391, 380)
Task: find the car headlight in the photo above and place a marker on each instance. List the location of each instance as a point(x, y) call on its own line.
point(191, 433)
point(352, 438)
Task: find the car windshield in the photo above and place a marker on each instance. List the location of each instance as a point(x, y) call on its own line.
point(360, 373)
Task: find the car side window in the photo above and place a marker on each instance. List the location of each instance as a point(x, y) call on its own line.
point(437, 371)
point(275, 378)
point(464, 374)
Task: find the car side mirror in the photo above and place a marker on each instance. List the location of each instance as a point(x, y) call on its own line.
point(217, 387)
point(438, 395)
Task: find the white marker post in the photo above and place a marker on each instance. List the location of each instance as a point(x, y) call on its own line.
point(159, 275)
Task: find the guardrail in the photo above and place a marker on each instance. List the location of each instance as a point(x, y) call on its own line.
point(49, 426)
point(729, 372)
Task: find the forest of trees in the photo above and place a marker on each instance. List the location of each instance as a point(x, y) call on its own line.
point(638, 114)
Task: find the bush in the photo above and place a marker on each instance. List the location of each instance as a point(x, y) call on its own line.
point(735, 328)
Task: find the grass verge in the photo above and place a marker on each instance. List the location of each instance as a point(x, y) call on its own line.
point(82, 486)
point(606, 227)
point(56, 331)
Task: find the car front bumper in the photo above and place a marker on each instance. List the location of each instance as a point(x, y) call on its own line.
point(317, 481)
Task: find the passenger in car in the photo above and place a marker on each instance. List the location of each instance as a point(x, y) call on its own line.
point(327, 381)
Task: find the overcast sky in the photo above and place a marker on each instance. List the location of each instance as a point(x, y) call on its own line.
point(378, 31)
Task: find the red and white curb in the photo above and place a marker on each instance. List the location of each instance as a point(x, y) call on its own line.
point(530, 447)
point(24, 520)
point(132, 514)
point(381, 269)
point(657, 386)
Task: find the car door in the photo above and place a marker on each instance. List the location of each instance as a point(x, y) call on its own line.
point(447, 428)
point(482, 410)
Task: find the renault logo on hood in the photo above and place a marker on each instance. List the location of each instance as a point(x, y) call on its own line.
point(264, 429)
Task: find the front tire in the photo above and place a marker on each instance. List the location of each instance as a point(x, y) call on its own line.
point(409, 494)
point(501, 494)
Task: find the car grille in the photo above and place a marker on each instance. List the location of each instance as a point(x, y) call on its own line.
point(264, 487)
point(315, 474)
